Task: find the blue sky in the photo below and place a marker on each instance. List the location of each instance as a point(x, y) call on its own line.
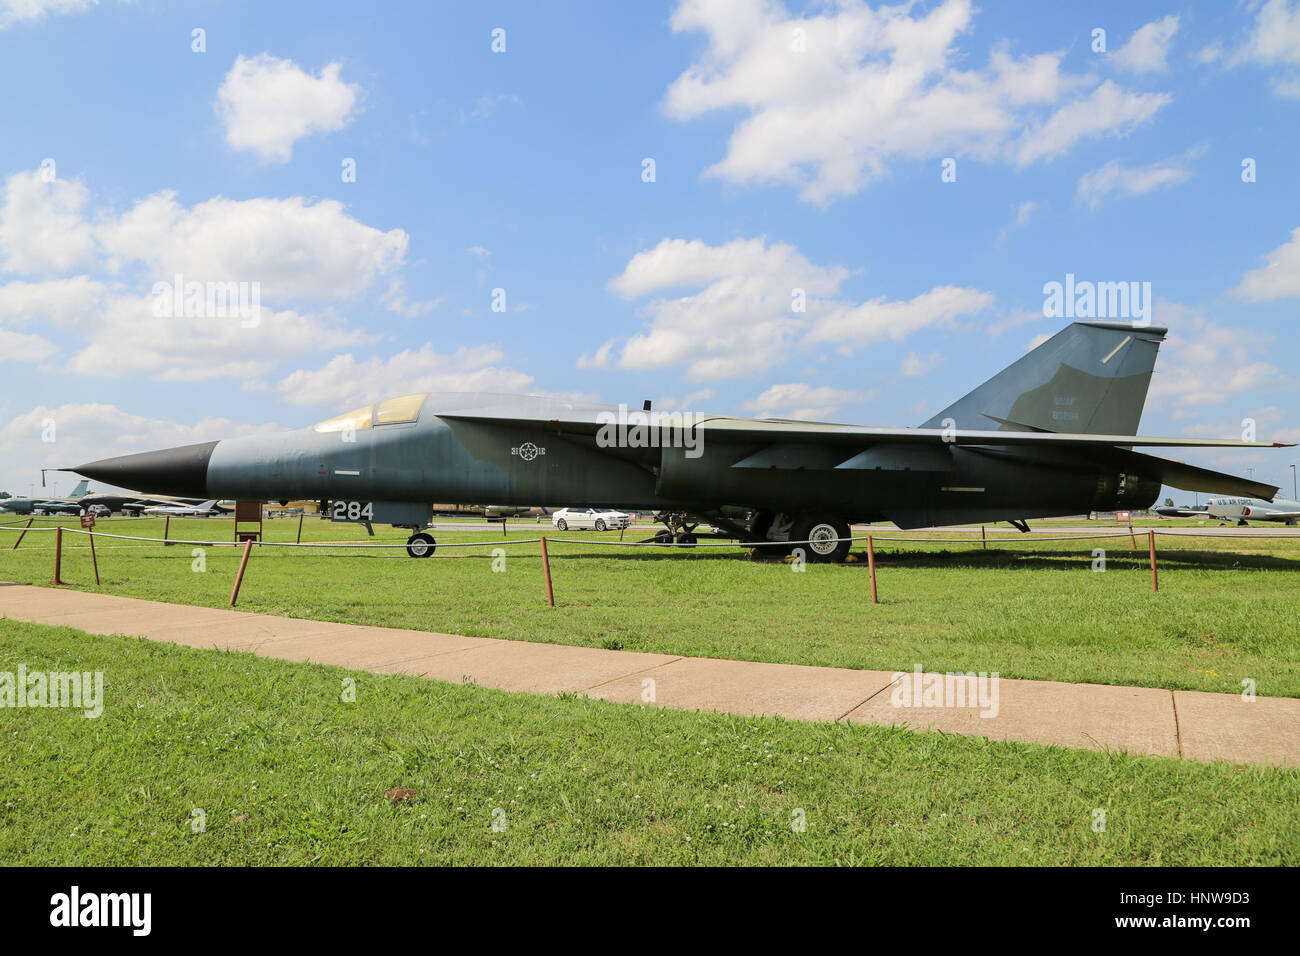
point(794, 146)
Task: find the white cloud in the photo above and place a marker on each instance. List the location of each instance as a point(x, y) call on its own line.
point(687, 403)
point(41, 225)
point(127, 340)
point(801, 401)
point(295, 248)
point(1107, 110)
point(1147, 50)
point(1210, 53)
point(874, 86)
point(742, 317)
point(289, 252)
point(346, 382)
point(1096, 184)
point(1014, 320)
point(22, 347)
point(880, 320)
point(487, 105)
point(742, 320)
point(62, 302)
point(1024, 212)
point(395, 300)
point(89, 431)
point(914, 365)
point(268, 104)
point(1280, 279)
point(601, 357)
point(1273, 41)
point(21, 11)
point(1204, 363)
point(479, 252)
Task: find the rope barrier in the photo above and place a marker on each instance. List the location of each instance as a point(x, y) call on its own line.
point(1020, 539)
point(717, 542)
point(951, 537)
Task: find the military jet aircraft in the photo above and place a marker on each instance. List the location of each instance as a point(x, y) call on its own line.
point(1052, 434)
point(1170, 510)
point(1255, 509)
point(205, 509)
point(25, 506)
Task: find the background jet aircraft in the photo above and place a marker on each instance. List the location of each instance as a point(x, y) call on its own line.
point(142, 503)
point(1174, 511)
point(1254, 509)
point(204, 509)
point(1052, 434)
point(49, 506)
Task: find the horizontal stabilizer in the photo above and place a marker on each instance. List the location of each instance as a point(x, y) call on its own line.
point(1179, 474)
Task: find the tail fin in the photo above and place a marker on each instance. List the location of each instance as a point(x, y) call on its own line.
point(1089, 378)
point(80, 490)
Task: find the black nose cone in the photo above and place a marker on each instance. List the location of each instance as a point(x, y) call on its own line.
point(181, 471)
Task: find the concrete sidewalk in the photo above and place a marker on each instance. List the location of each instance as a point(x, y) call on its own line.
point(1141, 720)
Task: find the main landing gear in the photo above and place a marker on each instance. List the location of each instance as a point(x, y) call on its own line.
point(823, 537)
point(421, 545)
point(827, 536)
point(679, 528)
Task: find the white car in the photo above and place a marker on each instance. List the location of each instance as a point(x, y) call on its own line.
point(598, 519)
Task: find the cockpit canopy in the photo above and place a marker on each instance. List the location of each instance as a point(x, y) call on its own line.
point(391, 411)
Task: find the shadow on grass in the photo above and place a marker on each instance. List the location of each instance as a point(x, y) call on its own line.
point(995, 558)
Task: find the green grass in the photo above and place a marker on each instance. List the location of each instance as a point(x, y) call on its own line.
point(288, 773)
point(1227, 608)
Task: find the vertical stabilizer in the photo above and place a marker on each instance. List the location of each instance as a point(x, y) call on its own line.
point(1090, 378)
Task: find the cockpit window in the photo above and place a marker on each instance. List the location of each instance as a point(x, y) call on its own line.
point(405, 408)
point(348, 420)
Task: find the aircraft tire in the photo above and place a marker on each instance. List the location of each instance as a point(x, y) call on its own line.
point(821, 530)
point(421, 545)
point(687, 538)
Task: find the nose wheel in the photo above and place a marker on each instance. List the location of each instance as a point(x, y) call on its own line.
point(421, 545)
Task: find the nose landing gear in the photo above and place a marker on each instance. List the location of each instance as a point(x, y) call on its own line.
point(421, 545)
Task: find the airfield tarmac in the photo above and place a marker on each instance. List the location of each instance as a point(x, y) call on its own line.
point(1150, 721)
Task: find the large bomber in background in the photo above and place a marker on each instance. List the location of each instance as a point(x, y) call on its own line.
point(1052, 434)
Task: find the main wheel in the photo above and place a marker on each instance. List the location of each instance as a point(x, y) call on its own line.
point(562, 525)
point(600, 524)
point(827, 537)
point(663, 537)
point(686, 538)
point(421, 545)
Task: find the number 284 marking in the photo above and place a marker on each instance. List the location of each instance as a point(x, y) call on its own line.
point(353, 511)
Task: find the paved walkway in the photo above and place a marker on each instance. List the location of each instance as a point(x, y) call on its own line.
point(1189, 724)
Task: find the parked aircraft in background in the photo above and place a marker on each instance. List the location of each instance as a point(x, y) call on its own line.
point(1170, 510)
point(1241, 510)
point(1064, 419)
point(26, 506)
point(206, 509)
